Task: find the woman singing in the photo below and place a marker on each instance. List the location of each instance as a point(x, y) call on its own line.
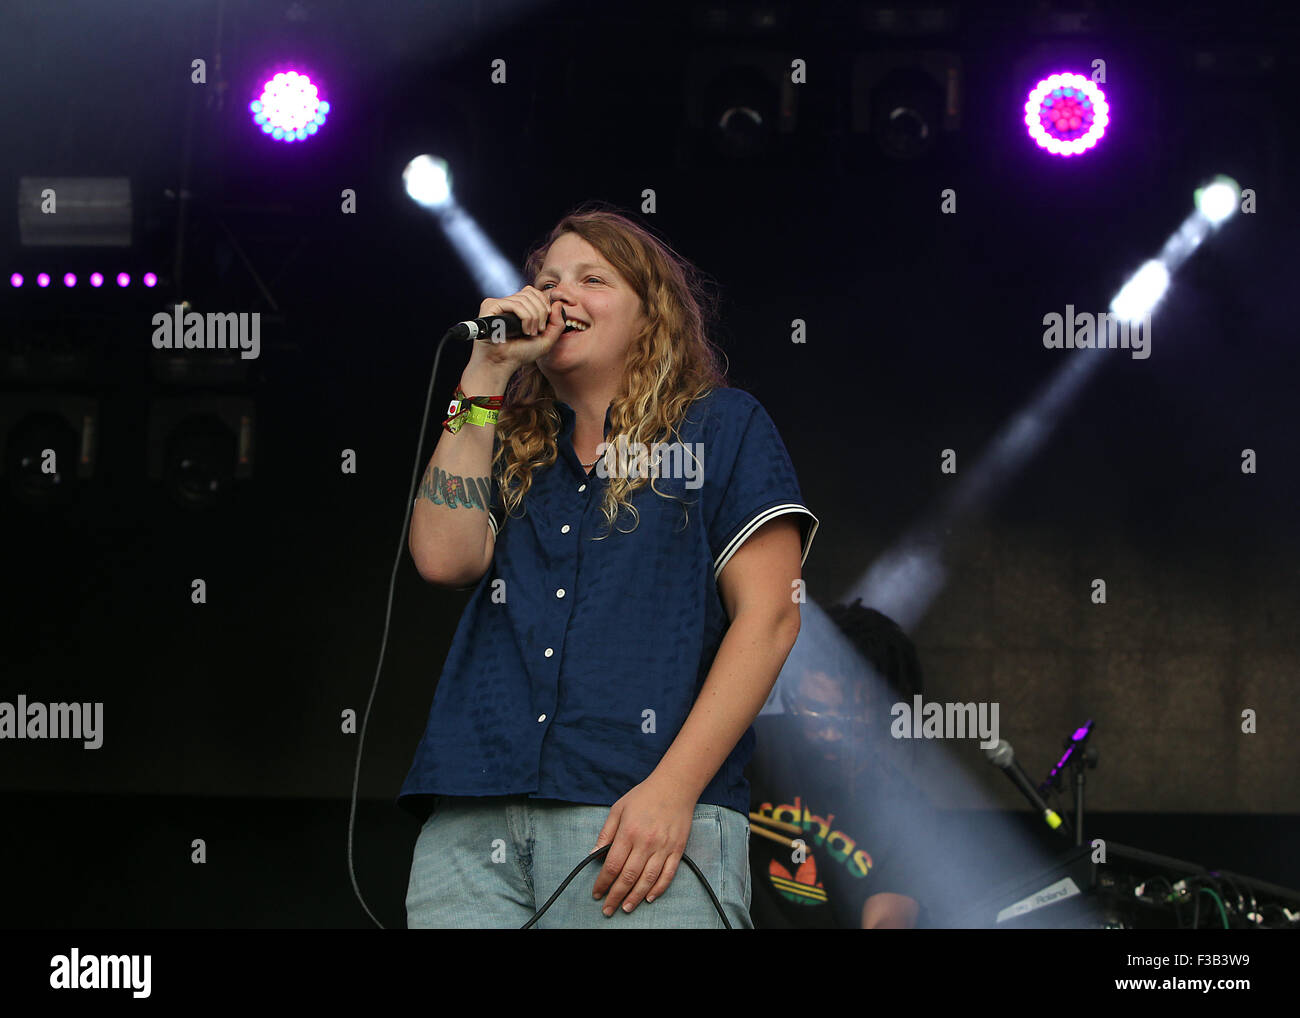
point(634, 531)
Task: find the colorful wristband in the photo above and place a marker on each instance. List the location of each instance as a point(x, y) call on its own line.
point(480, 410)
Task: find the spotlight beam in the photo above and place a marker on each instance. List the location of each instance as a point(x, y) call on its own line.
point(904, 581)
point(493, 274)
point(428, 183)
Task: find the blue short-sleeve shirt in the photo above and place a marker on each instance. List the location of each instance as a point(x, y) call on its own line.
point(577, 659)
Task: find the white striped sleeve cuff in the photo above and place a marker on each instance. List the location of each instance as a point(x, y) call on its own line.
point(809, 526)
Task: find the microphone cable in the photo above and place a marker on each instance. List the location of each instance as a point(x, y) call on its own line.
point(600, 853)
point(388, 616)
point(383, 647)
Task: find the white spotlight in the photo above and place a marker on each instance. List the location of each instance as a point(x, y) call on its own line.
point(1141, 293)
point(428, 181)
point(1217, 201)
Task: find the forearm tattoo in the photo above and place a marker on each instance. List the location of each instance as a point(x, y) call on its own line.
point(442, 488)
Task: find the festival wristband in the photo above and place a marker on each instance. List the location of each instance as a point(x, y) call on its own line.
point(479, 410)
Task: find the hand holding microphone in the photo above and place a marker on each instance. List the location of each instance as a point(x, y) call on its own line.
point(533, 316)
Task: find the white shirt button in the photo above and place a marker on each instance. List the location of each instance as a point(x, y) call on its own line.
point(564, 529)
point(549, 651)
point(560, 592)
point(582, 487)
point(541, 718)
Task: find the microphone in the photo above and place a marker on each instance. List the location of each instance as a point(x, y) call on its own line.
point(494, 327)
point(1004, 757)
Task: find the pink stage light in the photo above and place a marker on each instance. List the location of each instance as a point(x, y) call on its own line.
point(290, 107)
point(1066, 114)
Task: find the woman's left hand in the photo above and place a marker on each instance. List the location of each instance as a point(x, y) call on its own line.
point(649, 828)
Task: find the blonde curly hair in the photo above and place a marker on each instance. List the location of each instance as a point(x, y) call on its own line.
point(670, 363)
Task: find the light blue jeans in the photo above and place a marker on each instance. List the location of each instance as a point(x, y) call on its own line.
point(490, 862)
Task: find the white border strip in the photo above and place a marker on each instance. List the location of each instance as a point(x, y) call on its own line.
point(765, 516)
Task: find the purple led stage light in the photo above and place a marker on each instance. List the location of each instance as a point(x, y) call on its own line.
point(1066, 114)
point(290, 107)
point(95, 279)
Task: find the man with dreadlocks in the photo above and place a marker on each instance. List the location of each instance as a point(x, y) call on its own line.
point(836, 823)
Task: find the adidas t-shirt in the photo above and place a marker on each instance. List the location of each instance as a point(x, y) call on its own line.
point(855, 838)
